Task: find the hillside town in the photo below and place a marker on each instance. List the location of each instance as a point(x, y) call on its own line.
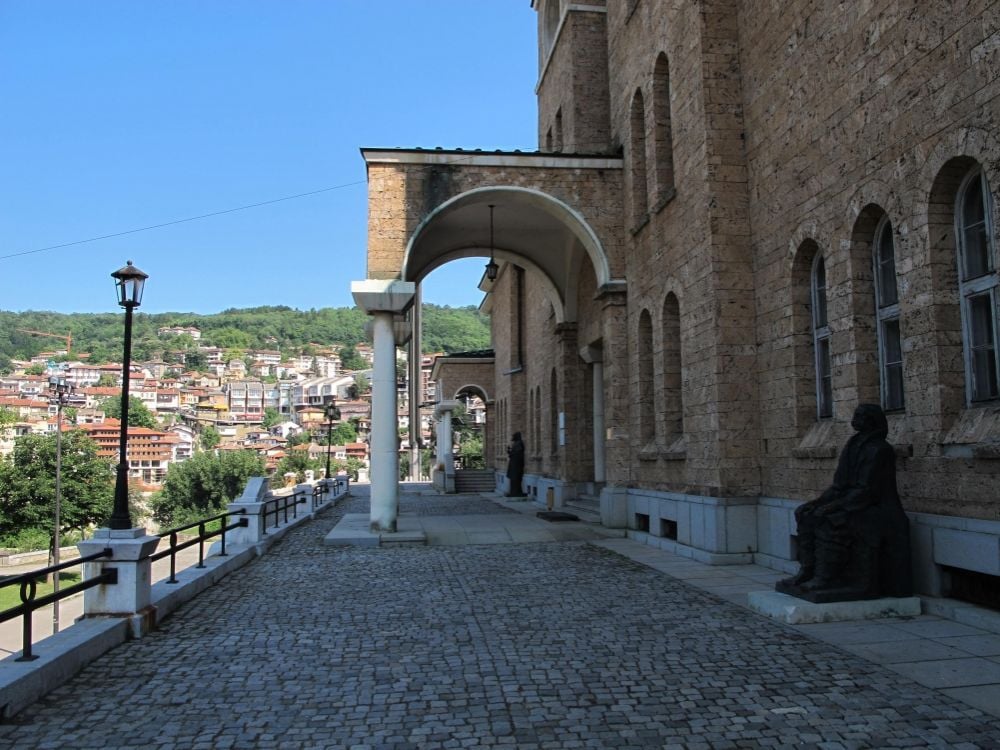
point(273, 403)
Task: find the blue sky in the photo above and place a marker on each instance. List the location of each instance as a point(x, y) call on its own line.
point(122, 114)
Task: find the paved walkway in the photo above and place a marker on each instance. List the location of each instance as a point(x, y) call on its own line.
point(522, 645)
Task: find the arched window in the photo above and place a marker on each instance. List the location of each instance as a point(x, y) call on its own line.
point(821, 341)
point(538, 420)
point(554, 413)
point(663, 137)
point(673, 400)
point(644, 402)
point(550, 23)
point(890, 349)
point(978, 286)
point(637, 160)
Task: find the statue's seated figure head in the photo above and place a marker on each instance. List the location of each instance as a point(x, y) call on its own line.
point(869, 418)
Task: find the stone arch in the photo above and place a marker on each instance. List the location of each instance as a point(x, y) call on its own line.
point(549, 238)
point(473, 388)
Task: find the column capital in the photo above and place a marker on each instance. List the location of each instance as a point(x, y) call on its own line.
point(592, 353)
point(383, 295)
point(443, 407)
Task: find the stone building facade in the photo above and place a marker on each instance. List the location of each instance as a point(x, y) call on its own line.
point(744, 219)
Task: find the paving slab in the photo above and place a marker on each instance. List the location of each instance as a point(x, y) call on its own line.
point(979, 645)
point(949, 673)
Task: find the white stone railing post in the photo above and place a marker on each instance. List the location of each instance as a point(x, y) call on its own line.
point(130, 596)
point(250, 505)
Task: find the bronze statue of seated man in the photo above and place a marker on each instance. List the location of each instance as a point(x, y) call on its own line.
point(853, 540)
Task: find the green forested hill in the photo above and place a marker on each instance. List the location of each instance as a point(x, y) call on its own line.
point(447, 329)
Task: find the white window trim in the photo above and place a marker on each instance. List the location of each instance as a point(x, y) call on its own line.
point(886, 314)
point(987, 283)
point(820, 334)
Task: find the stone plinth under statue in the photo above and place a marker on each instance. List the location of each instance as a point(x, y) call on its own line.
point(853, 540)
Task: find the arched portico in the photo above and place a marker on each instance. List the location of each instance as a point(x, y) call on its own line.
point(428, 208)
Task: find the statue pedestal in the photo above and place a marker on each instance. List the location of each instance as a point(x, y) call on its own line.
point(794, 611)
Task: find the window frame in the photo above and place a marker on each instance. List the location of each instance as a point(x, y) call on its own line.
point(885, 315)
point(821, 339)
point(986, 284)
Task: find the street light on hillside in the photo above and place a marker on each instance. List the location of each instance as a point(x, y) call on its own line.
point(129, 282)
point(60, 388)
point(332, 413)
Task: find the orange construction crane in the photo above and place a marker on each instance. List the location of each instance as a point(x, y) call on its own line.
point(68, 338)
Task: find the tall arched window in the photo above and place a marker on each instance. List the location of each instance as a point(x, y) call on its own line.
point(663, 144)
point(637, 160)
point(821, 341)
point(554, 413)
point(978, 286)
point(673, 402)
point(550, 24)
point(890, 349)
point(536, 418)
point(644, 402)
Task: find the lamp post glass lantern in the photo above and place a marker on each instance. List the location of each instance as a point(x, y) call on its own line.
point(129, 283)
point(492, 269)
point(60, 388)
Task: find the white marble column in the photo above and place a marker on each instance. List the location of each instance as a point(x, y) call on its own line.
point(384, 299)
point(443, 410)
point(384, 456)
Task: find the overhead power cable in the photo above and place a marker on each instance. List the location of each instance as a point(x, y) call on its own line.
point(470, 154)
point(182, 221)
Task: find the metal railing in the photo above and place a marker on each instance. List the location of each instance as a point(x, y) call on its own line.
point(30, 601)
point(276, 506)
point(203, 534)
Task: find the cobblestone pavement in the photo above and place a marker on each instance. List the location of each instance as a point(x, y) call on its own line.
point(528, 646)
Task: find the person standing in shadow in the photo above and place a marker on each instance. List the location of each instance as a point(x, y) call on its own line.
point(515, 466)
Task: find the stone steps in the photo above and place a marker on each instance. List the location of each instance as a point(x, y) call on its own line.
point(474, 480)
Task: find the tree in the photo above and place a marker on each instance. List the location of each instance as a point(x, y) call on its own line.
point(342, 434)
point(271, 417)
point(37, 369)
point(350, 360)
point(203, 485)
point(303, 437)
point(139, 414)
point(210, 438)
point(27, 484)
point(7, 417)
point(107, 381)
point(298, 462)
point(195, 360)
point(360, 387)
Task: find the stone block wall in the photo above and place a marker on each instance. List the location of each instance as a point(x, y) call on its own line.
point(851, 116)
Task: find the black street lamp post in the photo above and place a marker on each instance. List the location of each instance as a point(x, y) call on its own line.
point(129, 282)
point(332, 413)
point(60, 388)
